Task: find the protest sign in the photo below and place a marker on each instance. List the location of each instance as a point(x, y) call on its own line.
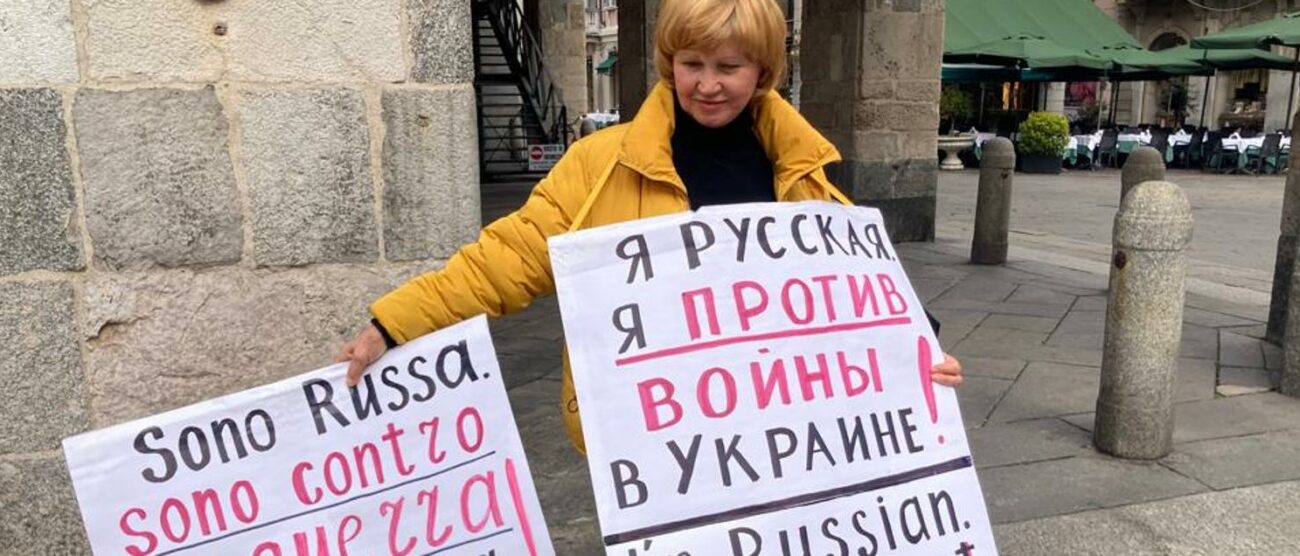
point(422, 457)
point(755, 379)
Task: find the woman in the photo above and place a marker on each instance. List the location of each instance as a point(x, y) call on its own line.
point(711, 132)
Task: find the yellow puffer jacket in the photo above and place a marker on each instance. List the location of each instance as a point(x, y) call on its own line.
point(621, 173)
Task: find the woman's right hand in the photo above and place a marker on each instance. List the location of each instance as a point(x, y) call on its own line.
point(363, 350)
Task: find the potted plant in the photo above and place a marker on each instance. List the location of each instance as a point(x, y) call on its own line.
point(1043, 138)
point(953, 107)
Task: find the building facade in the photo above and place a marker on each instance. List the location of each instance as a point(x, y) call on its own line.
point(1255, 98)
point(602, 55)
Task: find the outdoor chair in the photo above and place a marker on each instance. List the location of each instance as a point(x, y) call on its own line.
point(1217, 158)
point(1187, 155)
point(1265, 157)
point(1109, 148)
point(1160, 142)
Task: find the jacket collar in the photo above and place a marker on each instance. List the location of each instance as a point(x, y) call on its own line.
point(794, 146)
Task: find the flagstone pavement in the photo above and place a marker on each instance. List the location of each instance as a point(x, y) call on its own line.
point(1029, 335)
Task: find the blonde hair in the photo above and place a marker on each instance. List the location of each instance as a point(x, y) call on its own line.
point(758, 26)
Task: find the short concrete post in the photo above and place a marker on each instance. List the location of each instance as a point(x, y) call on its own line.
point(993, 206)
point(1290, 384)
point(1144, 323)
point(1143, 164)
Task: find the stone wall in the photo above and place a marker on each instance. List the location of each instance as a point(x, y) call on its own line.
point(871, 83)
point(200, 196)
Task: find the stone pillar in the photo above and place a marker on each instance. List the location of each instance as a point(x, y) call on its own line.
point(636, 55)
point(871, 84)
point(1055, 102)
point(1144, 323)
point(564, 50)
point(993, 206)
point(1279, 87)
point(1143, 164)
point(1286, 249)
point(219, 217)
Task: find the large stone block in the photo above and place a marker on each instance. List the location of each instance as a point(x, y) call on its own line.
point(169, 339)
point(441, 41)
point(306, 156)
point(899, 115)
point(158, 183)
point(325, 40)
point(152, 40)
point(908, 218)
point(38, 511)
point(321, 40)
point(37, 215)
point(902, 45)
point(431, 200)
point(36, 43)
point(43, 398)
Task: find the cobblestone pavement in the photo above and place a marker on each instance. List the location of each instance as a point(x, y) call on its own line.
point(1030, 337)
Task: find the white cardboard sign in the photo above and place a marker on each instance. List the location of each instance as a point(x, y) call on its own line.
point(755, 379)
point(422, 457)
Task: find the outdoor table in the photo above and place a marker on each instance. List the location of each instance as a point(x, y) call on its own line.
point(1243, 145)
point(1180, 138)
point(1127, 142)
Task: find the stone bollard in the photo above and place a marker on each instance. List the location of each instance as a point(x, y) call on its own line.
point(993, 206)
point(1290, 384)
point(1144, 323)
point(1286, 249)
point(1143, 164)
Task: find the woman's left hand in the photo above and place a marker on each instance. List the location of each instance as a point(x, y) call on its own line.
point(947, 373)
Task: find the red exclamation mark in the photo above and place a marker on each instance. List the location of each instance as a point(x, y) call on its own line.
point(923, 361)
point(517, 498)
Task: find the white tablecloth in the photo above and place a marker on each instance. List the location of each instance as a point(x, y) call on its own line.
point(1088, 141)
point(1235, 142)
point(1180, 138)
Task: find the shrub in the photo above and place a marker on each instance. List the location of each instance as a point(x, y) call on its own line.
point(1044, 134)
point(953, 106)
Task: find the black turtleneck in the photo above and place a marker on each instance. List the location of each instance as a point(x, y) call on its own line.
point(724, 165)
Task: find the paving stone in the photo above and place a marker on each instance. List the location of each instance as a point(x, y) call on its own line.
point(1214, 320)
point(1091, 303)
point(431, 189)
point(1238, 381)
point(43, 399)
point(306, 157)
point(168, 339)
point(1040, 325)
point(1039, 295)
point(1240, 351)
point(993, 368)
point(977, 397)
point(983, 289)
point(1199, 342)
point(1048, 488)
point(441, 41)
point(1240, 461)
point(1225, 417)
point(955, 324)
point(948, 301)
point(159, 189)
point(1258, 520)
point(1081, 329)
point(929, 288)
point(1049, 390)
point(1196, 380)
point(38, 216)
point(38, 43)
point(996, 445)
point(38, 511)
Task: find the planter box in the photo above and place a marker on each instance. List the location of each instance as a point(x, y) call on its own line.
point(1038, 164)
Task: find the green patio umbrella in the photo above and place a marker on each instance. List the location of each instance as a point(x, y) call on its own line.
point(1025, 50)
point(1284, 31)
point(1233, 58)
